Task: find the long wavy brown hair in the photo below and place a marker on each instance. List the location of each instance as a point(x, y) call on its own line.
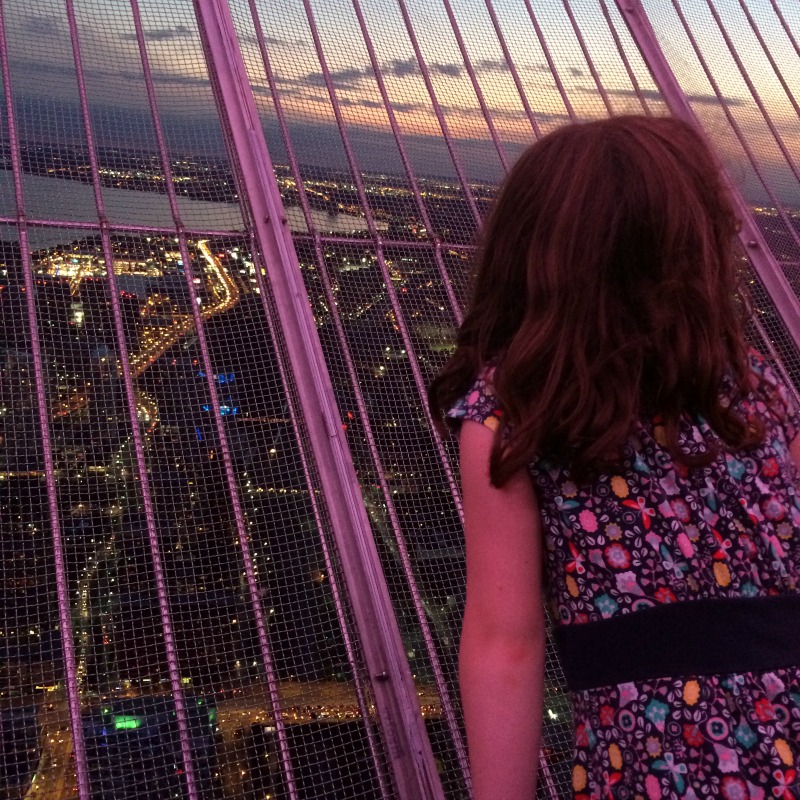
point(607, 288)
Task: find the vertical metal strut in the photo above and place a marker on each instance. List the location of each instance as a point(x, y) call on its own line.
point(408, 748)
point(205, 358)
point(136, 434)
point(66, 631)
point(765, 264)
point(448, 707)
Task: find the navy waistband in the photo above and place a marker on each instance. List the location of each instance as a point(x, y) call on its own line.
point(710, 636)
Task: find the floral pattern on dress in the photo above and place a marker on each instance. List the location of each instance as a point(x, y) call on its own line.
point(658, 532)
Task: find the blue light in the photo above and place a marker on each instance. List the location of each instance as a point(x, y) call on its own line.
point(224, 410)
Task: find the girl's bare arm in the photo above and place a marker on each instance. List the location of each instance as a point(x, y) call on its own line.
point(501, 660)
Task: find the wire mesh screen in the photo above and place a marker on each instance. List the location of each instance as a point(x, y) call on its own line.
point(175, 618)
point(390, 125)
point(735, 60)
point(173, 622)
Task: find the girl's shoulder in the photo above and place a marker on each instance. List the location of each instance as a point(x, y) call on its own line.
point(479, 403)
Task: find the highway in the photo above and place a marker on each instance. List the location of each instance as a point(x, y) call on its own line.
point(55, 776)
point(157, 339)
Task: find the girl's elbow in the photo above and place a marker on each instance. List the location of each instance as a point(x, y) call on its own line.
point(507, 649)
point(511, 633)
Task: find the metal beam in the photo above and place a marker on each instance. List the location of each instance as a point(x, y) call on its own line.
point(766, 266)
point(408, 749)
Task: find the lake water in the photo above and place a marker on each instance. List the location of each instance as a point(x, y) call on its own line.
point(72, 201)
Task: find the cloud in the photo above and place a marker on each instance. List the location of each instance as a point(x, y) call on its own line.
point(655, 95)
point(176, 78)
point(406, 108)
point(249, 38)
point(353, 76)
point(401, 67)
point(535, 68)
point(161, 34)
point(66, 71)
point(451, 70)
point(41, 26)
point(507, 114)
point(23, 66)
point(163, 78)
point(342, 79)
point(402, 108)
point(712, 100)
point(492, 65)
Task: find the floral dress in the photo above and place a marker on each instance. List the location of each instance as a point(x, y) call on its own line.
point(657, 532)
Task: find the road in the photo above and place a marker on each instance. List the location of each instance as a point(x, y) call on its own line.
point(157, 339)
point(55, 777)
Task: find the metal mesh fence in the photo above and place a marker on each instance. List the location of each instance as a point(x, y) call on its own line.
point(734, 60)
point(425, 107)
point(426, 104)
point(176, 617)
point(173, 619)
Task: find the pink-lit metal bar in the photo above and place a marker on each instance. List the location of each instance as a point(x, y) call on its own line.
point(768, 269)
point(227, 461)
point(624, 58)
point(42, 406)
point(447, 706)
point(409, 170)
point(476, 86)
point(588, 57)
point(339, 597)
point(547, 779)
point(736, 128)
point(130, 396)
point(408, 749)
point(776, 360)
point(265, 293)
point(754, 93)
point(365, 242)
point(399, 543)
point(512, 68)
point(768, 53)
point(785, 25)
point(119, 227)
point(387, 278)
point(550, 62)
point(210, 234)
point(437, 110)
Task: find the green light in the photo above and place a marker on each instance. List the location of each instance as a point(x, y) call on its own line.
point(212, 715)
point(126, 723)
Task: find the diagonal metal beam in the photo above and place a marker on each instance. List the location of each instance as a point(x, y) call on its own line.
point(753, 242)
point(408, 749)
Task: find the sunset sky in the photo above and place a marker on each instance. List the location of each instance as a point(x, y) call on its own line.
point(43, 75)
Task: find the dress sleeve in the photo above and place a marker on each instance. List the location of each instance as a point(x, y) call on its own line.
point(783, 403)
point(479, 404)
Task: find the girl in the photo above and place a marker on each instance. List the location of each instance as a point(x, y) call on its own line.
point(627, 459)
